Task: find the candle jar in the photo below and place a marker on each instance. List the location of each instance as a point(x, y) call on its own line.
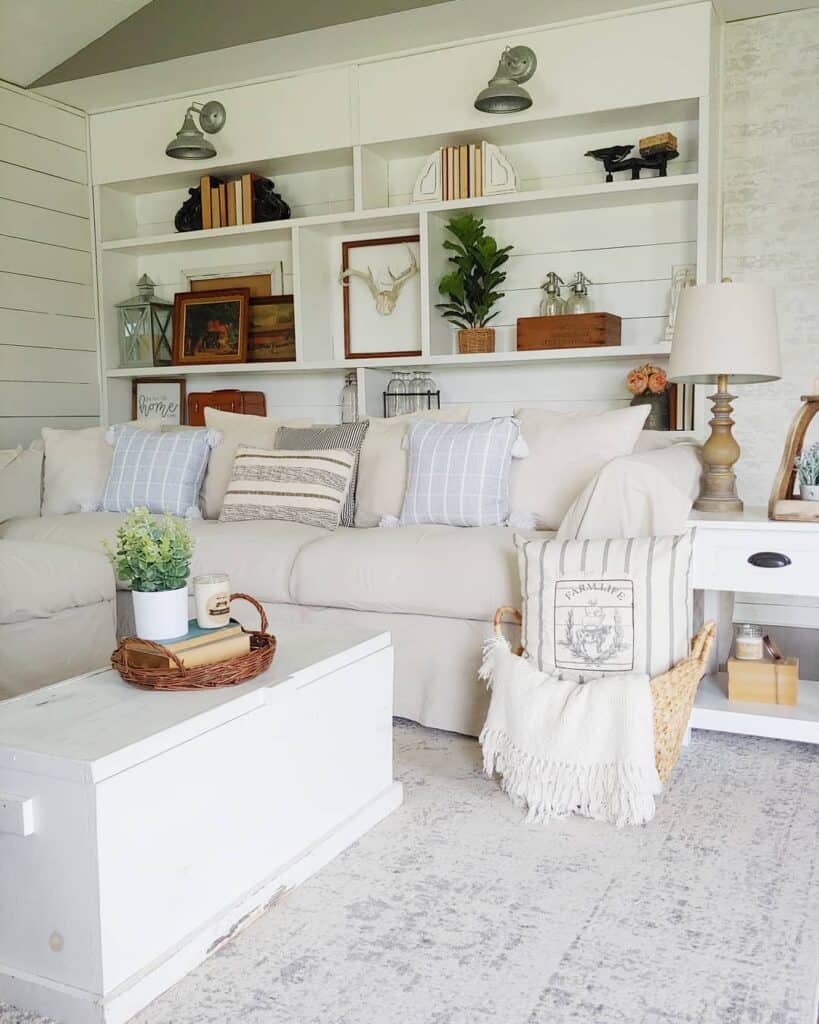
point(748, 644)
point(212, 595)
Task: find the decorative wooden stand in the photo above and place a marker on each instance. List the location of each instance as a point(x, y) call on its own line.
point(718, 490)
point(782, 504)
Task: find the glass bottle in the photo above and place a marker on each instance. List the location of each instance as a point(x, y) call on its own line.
point(417, 391)
point(552, 304)
point(349, 398)
point(396, 394)
point(406, 402)
point(578, 301)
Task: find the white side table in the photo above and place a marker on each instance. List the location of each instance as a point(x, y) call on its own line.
point(751, 554)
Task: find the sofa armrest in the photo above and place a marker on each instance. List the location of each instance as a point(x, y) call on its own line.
point(645, 494)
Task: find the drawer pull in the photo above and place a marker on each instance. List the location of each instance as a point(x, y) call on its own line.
point(769, 560)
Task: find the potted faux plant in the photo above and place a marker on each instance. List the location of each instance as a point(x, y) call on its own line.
point(807, 471)
point(649, 386)
point(471, 286)
point(154, 557)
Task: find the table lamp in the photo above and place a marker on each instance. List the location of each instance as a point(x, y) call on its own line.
point(724, 332)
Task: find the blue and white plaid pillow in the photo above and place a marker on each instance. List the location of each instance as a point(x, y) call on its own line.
point(459, 472)
point(160, 472)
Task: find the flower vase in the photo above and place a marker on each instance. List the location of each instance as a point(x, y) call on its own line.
point(659, 413)
point(160, 614)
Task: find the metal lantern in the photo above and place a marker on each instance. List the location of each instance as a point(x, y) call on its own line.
point(145, 328)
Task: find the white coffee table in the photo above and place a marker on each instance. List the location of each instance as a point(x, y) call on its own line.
point(140, 830)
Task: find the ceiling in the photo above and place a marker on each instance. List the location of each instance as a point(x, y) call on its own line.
point(44, 42)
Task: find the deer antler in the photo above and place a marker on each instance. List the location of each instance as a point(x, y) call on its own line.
point(368, 278)
point(405, 275)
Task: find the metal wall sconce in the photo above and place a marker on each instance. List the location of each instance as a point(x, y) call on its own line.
point(190, 143)
point(504, 93)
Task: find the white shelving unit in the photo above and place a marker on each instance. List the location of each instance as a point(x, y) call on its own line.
point(626, 235)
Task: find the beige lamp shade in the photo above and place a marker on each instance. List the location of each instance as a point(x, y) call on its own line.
point(725, 329)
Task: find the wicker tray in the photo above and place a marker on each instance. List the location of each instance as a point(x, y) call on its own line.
point(203, 677)
point(672, 693)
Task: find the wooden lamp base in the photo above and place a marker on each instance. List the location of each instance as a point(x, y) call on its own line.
point(718, 489)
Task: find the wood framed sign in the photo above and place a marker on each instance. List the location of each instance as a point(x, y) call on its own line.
point(210, 327)
point(381, 287)
point(158, 398)
point(271, 334)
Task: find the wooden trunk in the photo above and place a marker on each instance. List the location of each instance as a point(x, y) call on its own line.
point(764, 682)
point(249, 403)
point(575, 330)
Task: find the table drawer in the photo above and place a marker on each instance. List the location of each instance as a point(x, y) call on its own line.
point(757, 561)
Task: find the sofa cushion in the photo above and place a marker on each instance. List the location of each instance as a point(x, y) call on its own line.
point(423, 570)
point(258, 556)
point(21, 479)
point(41, 580)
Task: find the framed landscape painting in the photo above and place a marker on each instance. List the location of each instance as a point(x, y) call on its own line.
point(272, 332)
point(210, 327)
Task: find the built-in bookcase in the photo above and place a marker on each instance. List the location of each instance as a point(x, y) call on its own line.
point(625, 236)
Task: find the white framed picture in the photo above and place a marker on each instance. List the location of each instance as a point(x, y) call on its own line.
point(381, 283)
point(162, 399)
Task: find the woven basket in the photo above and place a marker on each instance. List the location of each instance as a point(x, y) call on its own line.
point(672, 693)
point(203, 677)
point(476, 339)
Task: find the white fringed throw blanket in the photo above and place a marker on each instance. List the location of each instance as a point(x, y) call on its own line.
point(569, 748)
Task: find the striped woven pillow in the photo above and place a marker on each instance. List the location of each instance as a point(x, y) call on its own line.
point(597, 607)
point(296, 486)
point(348, 436)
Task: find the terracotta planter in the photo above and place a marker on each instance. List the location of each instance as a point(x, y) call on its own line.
point(476, 339)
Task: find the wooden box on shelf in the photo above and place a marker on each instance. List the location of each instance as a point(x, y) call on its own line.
point(574, 330)
point(764, 682)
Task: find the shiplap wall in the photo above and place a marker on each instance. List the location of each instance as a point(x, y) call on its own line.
point(48, 339)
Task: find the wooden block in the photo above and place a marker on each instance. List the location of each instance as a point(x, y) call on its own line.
point(575, 330)
point(795, 510)
point(764, 682)
point(664, 142)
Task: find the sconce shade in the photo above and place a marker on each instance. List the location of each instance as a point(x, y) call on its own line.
point(190, 143)
point(726, 329)
point(504, 93)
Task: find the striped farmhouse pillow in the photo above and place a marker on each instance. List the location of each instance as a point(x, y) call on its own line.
point(348, 436)
point(296, 486)
point(160, 472)
point(596, 607)
point(459, 472)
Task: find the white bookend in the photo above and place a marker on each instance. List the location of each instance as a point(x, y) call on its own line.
point(499, 175)
point(428, 185)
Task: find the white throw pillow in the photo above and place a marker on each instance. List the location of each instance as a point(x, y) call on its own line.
point(384, 464)
point(593, 608)
point(21, 479)
point(236, 428)
point(565, 451)
point(77, 464)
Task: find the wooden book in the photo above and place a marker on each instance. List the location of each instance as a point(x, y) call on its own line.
point(247, 198)
point(478, 171)
point(216, 219)
point(456, 172)
point(223, 220)
point(231, 204)
point(204, 192)
point(204, 654)
point(237, 201)
point(464, 172)
point(196, 636)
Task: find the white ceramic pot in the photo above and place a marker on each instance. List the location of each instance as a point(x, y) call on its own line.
point(160, 614)
point(809, 493)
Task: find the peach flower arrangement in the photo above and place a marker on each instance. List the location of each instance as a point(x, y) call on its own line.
point(647, 378)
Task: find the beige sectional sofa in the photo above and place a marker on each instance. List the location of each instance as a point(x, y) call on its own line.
point(434, 588)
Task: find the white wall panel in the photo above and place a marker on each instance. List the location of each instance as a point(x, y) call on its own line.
point(48, 360)
point(290, 115)
point(615, 62)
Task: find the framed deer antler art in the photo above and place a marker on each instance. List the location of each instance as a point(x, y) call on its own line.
point(380, 281)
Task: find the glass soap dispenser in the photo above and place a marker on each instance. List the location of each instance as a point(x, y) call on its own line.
point(552, 304)
point(578, 301)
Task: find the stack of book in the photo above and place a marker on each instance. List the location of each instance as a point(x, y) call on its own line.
point(681, 407)
point(197, 647)
point(227, 204)
point(462, 170)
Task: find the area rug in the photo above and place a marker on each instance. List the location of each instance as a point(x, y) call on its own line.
point(453, 912)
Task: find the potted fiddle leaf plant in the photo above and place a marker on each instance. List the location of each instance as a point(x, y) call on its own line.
point(153, 555)
point(807, 471)
point(471, 286)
